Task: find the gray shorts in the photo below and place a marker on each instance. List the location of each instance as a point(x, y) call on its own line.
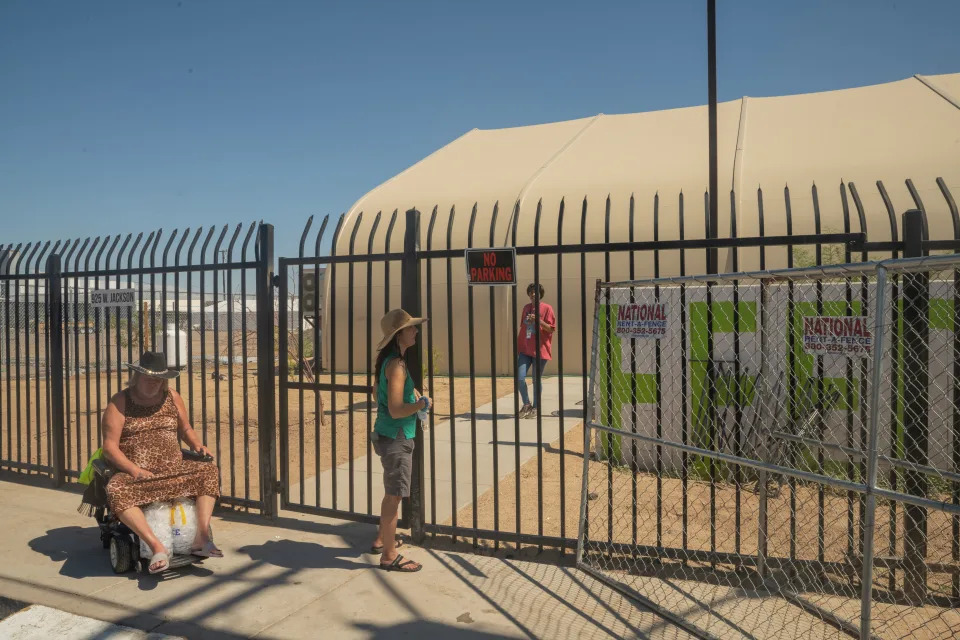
point(396, 456)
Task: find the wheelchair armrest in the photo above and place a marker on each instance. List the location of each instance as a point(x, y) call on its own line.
point(196, 457)
point(103, 468)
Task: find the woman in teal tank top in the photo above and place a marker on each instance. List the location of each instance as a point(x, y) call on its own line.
point(397, 405)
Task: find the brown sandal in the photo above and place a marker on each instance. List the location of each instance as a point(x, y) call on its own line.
point(401, 565)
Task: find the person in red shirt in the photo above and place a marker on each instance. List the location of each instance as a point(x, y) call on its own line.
point(527, 360)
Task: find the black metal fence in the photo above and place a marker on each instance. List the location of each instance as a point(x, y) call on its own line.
point(482, 473)
point(63, 353)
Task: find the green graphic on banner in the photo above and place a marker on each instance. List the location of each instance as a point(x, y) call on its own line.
point(617, 387)
point(725, 384)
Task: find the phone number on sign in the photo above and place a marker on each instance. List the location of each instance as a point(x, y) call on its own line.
point(837, 348)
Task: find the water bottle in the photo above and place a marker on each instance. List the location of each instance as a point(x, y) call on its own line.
point(423, 413)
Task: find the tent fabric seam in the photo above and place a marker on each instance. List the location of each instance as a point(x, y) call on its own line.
point(539, 172)
point(937, 90)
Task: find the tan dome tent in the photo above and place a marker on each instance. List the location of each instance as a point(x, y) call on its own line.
point(843, 142)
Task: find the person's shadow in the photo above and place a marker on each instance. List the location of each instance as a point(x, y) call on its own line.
point(83, 556)
point(78, 548)
point(292, 554)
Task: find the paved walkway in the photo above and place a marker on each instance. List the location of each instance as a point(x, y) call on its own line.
point(503, 446)
point(298, 577)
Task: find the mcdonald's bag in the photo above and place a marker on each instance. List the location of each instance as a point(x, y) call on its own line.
point(183, 525)
point(174, 524)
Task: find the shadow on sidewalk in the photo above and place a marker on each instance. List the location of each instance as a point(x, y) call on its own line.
point(291, 554)
point(78, 548)
point(82, 555)
point(358, 534)
point(424, 629)
point(549, 601)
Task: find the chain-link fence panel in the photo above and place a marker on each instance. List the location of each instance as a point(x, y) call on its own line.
point(731, 439)
point(916, 582)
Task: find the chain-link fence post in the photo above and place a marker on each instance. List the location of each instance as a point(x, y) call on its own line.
point(589, 415)
point(873, 426)
point(916, 346)
point(762, 496)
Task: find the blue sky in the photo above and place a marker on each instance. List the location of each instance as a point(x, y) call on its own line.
point(120, 116)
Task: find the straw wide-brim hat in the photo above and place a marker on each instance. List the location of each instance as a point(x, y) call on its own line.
point(394, 321)
point(154, 364)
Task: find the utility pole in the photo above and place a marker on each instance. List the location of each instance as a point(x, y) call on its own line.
point(712, 91)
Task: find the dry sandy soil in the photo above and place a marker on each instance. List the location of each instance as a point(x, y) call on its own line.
point(233, 438)
point(615, 490)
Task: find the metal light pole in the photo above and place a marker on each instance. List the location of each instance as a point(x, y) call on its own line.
point(712, 91)
point(223, 275)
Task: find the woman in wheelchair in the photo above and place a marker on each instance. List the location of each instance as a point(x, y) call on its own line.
point(141, 428)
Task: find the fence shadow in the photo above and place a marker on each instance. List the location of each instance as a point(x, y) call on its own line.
point(552, 601)
point(424, 629)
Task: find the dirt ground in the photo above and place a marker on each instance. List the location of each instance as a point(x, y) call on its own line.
point(616, 498)
point(620, 492)
point(317, 441)
point(83, 409)
point(233, 439)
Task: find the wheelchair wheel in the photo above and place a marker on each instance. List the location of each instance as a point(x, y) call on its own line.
point(121, 554)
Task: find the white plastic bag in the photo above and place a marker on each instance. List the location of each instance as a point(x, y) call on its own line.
point(174, 524)
point(183, 515)
point(158, 517)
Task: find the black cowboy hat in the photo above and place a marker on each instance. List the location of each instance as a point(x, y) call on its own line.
point(154, 364)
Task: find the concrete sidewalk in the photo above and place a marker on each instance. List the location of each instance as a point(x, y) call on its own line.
point(38, 621)
point(300, 577)
point(505, 446)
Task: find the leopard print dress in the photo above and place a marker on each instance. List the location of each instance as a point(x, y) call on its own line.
point(149, 440)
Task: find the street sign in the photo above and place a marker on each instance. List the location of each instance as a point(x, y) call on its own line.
point(107, 298)
point(491, 266)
